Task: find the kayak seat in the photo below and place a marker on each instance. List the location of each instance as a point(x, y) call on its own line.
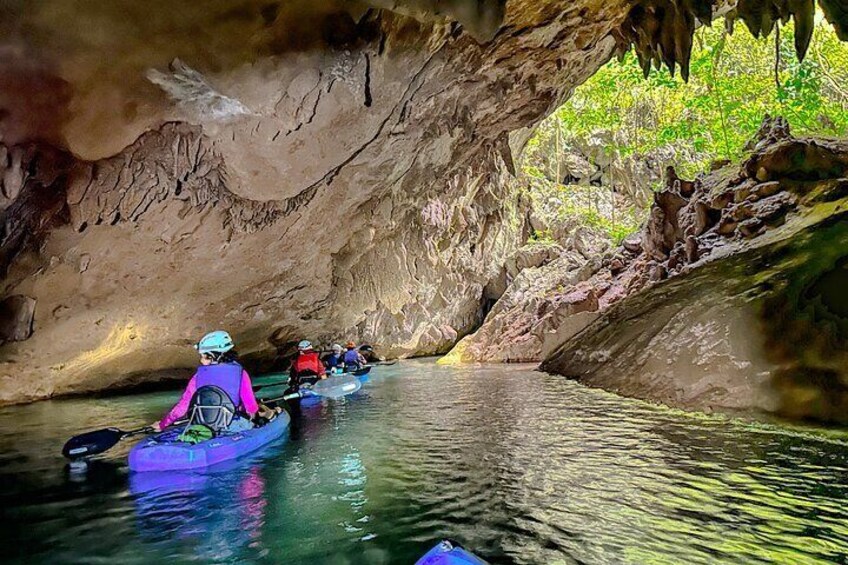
point(211, 407)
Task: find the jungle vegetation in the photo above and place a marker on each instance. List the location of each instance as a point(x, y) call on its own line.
point(599, 156)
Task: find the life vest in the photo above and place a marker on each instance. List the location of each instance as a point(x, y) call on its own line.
point(307, 362)
point(226, 376)
point(351, 357)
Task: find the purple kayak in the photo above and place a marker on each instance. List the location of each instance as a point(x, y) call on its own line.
point(163, 452)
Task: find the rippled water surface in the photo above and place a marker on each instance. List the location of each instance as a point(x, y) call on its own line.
point(519, 466)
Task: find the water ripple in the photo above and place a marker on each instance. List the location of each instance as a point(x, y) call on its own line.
point(521, 466)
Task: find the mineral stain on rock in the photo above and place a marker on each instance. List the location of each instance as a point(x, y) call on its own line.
point(16, 316)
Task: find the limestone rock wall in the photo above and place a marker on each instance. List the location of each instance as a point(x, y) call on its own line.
point(547, 293)
point(349, 179)
point(335, 168)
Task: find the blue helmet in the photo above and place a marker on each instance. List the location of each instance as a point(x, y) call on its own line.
point(304, 345)
point(215, 342)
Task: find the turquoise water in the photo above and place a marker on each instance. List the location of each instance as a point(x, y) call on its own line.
point(519, 466)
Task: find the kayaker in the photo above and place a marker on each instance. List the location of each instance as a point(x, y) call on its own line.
point(306, 367)
point(368, 353)
point(334, 359)
point(219, 367)
point(353, 359)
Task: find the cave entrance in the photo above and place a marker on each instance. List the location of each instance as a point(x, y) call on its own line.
point(599, 158)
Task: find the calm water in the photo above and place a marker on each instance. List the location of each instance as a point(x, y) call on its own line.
point(519, 466)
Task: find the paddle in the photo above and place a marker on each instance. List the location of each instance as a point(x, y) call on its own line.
point(98, 441)
point(362, 371)
point(92, 443)
point(336, 386)
point(332, 387)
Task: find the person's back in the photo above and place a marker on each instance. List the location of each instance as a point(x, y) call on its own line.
point(219, 369)
point(306, 365)
point(352, 358)
point(226, 376)
point(307, 361)
point(334, 359)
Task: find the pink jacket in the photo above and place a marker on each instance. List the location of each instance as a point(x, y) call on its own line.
point(246, 397)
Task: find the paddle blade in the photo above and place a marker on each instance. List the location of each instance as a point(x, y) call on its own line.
point(336, 387)
point(92, 443)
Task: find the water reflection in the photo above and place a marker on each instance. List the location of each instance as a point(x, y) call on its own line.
point(216, 515)
point(520, 466)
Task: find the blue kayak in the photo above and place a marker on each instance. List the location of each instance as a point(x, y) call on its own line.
point(449, 553)
point(309, 399)
point(164, 452)
point(362, 373)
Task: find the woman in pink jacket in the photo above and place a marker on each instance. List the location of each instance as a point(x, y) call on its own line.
point(219, 368)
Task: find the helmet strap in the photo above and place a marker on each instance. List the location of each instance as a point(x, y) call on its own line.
point(214, 356)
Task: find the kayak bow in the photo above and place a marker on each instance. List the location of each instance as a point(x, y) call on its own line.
point(449, 553)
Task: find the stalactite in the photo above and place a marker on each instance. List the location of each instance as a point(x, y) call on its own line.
point(661, 31)
point(836, 12)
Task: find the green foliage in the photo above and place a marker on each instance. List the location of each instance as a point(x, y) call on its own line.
point(616, 230)
point(590, 206)
point(732, 87)
point(543, 236)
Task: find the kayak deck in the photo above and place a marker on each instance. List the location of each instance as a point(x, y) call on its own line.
point(163, 452)
point(308, 398)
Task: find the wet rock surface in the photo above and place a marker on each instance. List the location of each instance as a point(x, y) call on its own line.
point(732, 303)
